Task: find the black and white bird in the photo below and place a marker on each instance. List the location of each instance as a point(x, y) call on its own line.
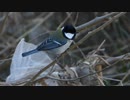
point(57, 42)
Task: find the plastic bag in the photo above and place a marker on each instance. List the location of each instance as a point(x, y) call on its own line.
point(24, 68)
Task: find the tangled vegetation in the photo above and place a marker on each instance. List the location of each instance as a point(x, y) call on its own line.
point(99, 56)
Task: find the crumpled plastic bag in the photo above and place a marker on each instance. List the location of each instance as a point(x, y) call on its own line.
point(23, 67)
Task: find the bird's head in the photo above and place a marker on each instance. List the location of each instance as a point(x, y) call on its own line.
point(69, 32)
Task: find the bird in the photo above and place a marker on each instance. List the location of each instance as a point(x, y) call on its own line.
point(57, 42)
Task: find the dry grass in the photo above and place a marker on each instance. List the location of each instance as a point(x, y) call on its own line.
point(112, 56)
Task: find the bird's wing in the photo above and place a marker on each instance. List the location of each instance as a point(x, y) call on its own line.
point(50, 44)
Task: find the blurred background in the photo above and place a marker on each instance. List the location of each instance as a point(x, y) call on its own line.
point(35, 26)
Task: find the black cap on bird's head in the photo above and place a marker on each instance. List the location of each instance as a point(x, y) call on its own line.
point(69, 32)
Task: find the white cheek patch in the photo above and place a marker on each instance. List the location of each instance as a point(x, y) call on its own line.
point(69, 35)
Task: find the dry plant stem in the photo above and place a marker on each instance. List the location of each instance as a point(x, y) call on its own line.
point(3, 60)
point(4, 50)
point(97, 76)
point(76, 19)
point(115, 75)
point(117, 80)
point(71, 19)
point(99, 68)
point(126, 76)
point(95, 21)
point(123, 79)
point(68, 16)
point(107, 63)
point(79, 49)
point(91, 33)
point(42, 14)
point(99, 47)
point(36, 26)
point(111, 79)
point(3, 24)
point(80, 42)
point(111, 60)
point(101, 81)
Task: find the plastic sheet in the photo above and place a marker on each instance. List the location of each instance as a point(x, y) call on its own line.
point(24, 68)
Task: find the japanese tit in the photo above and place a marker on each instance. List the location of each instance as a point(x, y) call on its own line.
point(56, 43)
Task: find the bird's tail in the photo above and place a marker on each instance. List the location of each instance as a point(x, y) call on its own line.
point(29, 52)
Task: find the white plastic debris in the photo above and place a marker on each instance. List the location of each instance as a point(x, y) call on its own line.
point(23, 67)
